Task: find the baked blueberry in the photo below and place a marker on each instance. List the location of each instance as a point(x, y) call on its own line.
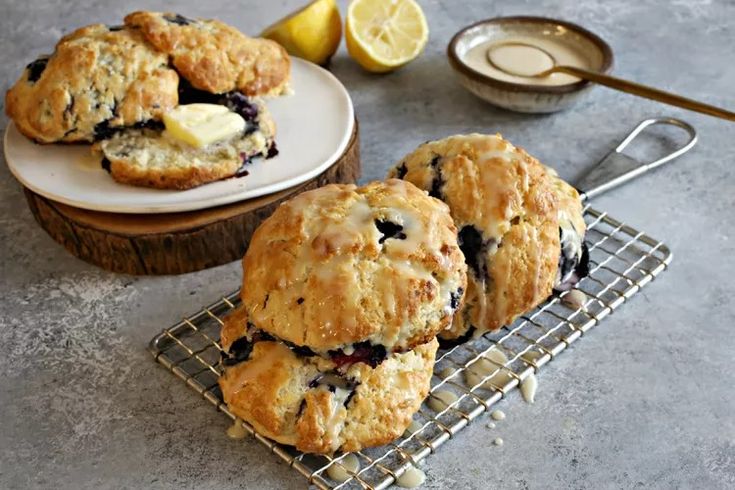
point(389, 230)
point(178, 19)
point(36, 68)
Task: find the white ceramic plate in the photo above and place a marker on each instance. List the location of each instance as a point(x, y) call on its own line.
point(313, 128)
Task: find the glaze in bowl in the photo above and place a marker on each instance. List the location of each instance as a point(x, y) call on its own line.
point(526, 97)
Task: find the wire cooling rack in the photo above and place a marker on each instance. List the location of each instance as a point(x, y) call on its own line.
point(622, 261)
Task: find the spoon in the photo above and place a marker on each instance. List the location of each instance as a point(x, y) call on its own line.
point(543, 64)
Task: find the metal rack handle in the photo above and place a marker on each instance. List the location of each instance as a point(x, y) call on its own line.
point(617, 167)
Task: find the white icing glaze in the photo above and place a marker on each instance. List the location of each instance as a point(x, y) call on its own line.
point(520, 59)
point(344, 469)
point(498, 441)
point(532, 356)
point(497, 415)
point(528, 388)
point(441, 399)
point(336, 418)
point(517, 59)
point(412, 428)
point(412, 478)
point(491, 362)
point(237, 430)
point(575, 299)
point(490, 425)
point(256, 366)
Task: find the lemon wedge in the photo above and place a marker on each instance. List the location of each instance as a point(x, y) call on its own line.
point(383, 35)
point(312, 33)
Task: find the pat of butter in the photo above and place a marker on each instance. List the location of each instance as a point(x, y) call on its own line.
point(202, 124)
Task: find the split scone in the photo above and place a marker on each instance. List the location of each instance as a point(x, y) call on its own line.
point(151, 157)
point(520, 226)
point(214, 56)
point(355, 271)
point(97, 78)
point(117, 86)
point(316, 404)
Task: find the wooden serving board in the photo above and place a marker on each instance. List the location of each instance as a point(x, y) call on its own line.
point(173, 243)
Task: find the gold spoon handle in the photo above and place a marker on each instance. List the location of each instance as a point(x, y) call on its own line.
point(643, 91)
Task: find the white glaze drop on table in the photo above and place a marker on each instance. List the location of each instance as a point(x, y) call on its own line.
point(441, 399)
point(497, 415)
point(491, 363)
point(516, 58)
point(237, 430)
point(344, 469)
point(528, 388)
point(498, 441)
point(412, 478)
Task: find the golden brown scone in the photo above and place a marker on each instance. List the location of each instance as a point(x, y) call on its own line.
point(515, 218)
point(214, 56)
point(314, 404)
point(342, 267)
point(148, 158)
point(98, 78)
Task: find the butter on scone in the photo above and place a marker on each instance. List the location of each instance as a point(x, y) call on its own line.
point(202, 124)
point(355, 272)
point(301, 399)
point(97, 79)
point(520, 226)
point(214, 56)
point(201, 143)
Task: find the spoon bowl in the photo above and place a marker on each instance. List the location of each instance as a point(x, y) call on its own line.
point(519, 92)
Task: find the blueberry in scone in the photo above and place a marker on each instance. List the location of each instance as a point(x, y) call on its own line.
point(520, 226)
point(214, 56)
point(157, 157)
point(314, 403)
point(355, 274)
point(96, 79)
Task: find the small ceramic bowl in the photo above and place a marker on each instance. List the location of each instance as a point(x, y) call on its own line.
point(516, 95)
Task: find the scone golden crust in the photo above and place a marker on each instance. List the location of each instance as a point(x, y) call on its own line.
point(97, 78)
point(214, 56)
point(305, 401)
point(514, 217)
point(148, 158)
point(343, 265)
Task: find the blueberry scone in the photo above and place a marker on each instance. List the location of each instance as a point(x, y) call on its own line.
point(97, 78)
point(355, 272)
point(240, 128)
point(214, 56)
point(314, 403)
point(520, 226)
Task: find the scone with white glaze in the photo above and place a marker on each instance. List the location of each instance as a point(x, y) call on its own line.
point(520, 226)
point(98, 78)
point(355, 271)
point(317, 404)
point(151, 157)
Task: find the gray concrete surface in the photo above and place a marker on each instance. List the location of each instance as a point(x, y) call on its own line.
point(645, 401)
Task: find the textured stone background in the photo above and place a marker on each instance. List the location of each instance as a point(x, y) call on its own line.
point(647, 400)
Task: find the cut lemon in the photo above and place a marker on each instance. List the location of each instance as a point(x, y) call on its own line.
point(383, 35)
point(312, 33)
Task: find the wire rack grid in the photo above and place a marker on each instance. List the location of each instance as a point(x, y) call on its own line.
point(622, 261)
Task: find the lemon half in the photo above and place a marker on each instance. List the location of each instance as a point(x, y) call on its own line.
point(383, 35)
point(312, 33)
